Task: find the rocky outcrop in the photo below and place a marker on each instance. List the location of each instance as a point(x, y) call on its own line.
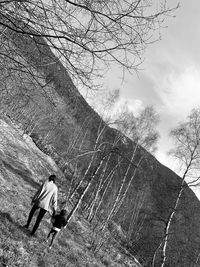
point(47, 105)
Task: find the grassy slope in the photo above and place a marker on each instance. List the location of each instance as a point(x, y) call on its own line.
point(22, 168)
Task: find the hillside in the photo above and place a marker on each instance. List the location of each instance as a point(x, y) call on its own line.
point(123, 187)
point(23, 168)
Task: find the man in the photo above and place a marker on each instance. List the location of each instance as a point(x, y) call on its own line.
point(46, 200)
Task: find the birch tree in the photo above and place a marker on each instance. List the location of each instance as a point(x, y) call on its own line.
point(96, 149)
point(117, 199)
point(104, 188)
point(187, 151)
point(140, 128)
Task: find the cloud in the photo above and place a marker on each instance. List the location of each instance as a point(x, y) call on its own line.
point(167, 160)
point(134, 105)
point(181, 92)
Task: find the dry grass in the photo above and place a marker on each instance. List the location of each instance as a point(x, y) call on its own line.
point(22, 166)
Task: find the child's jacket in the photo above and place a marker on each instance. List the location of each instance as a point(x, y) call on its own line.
point(59, 221)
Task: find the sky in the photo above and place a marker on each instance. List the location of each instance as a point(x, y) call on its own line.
point(170, 75)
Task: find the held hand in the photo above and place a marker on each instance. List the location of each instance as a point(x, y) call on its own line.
point(65, 225)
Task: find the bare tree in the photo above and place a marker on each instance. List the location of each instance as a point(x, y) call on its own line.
point(96, 149)
point(104, 101)
point(103, 188)
point(187, 146)
point(140, 128)
point(87, 36)
point(187, 151)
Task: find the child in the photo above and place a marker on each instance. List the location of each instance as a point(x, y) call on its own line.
point(59, 221)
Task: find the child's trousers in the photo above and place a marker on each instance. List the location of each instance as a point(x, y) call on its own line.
point(54, 235)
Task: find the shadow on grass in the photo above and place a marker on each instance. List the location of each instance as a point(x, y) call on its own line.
point(41, 262)
point(63, 243)
point(11, 227)
point(24, 173)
